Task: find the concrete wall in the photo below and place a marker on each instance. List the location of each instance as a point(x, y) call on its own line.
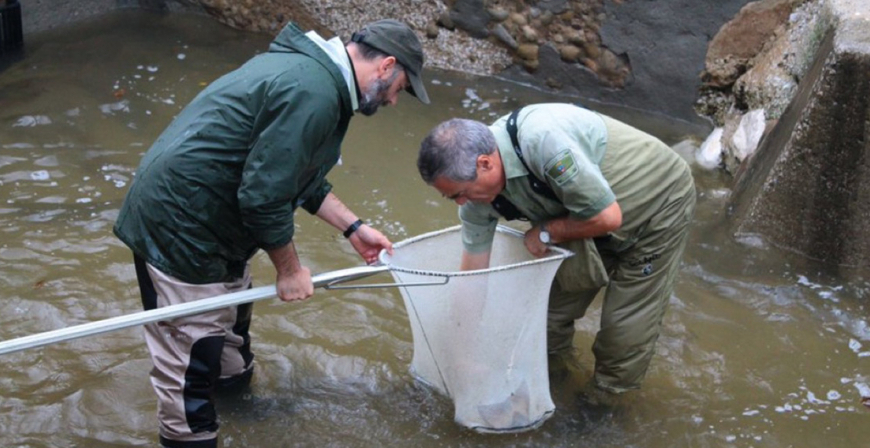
point(42, 15)
point(807, 188)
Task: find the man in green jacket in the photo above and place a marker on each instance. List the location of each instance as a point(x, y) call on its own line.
point(223, 181)
point(619, 198)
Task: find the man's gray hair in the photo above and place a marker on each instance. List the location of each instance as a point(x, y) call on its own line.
point(451, 150)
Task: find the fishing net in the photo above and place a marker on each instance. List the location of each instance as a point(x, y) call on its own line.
point(480, 336)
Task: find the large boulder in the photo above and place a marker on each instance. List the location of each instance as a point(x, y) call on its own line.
point(471, 16)
point(742, 38)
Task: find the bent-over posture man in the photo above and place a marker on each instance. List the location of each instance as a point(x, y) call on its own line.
point(224, 180)
point(621, 199)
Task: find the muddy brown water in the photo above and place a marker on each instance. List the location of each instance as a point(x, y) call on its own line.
point(760, 348)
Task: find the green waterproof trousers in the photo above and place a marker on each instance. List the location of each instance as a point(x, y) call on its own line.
point(639, 281)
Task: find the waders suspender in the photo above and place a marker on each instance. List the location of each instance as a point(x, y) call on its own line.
point(501, 204)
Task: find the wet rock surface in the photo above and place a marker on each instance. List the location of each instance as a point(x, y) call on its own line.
point(742, 38)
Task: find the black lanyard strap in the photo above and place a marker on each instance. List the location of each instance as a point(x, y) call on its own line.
point(501, 204)
point(538, 186)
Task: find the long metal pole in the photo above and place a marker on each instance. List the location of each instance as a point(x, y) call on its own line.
point(179, 310)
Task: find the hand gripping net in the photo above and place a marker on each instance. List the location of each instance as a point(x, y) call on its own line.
point(480, 336)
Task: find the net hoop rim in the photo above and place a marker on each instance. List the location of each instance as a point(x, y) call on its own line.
point(557, 253)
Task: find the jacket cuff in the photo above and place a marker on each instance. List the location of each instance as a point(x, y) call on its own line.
point(312, 203)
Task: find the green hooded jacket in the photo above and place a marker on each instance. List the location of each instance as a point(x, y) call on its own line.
point(224, 179)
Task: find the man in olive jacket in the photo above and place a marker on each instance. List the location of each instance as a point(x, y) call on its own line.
point(621, 199)
point(223, 181)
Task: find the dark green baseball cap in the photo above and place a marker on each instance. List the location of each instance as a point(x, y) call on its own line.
point(398, 40)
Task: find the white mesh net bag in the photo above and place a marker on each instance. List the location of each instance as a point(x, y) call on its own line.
point(480, 336)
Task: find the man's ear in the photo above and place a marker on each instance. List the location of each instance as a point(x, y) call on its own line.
point(484, 162)
point(386, 66)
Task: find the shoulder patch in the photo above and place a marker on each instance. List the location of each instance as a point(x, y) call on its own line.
point(562, 168)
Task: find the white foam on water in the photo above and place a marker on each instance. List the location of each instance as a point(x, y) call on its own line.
point(111, 108)
point(31, 121)
point(811, 398)
point(802, 280)
point(472, 94)
point(47, 161)
point(40, 175)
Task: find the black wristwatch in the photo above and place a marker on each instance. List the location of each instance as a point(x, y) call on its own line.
point(352, 228)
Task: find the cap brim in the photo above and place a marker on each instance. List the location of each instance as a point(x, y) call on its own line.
point(416, 88)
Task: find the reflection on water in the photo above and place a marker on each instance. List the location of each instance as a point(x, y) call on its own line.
point(759, 348)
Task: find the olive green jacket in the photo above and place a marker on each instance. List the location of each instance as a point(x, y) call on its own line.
point(224, 179)
point(589, 160)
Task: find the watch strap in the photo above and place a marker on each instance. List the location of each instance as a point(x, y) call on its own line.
point(352, 228)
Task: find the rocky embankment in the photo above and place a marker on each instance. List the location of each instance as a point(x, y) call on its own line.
point(752, 71)
point(734, 64)
point(613, 51)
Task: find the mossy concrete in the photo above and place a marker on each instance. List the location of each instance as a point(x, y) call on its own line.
point(807, 188)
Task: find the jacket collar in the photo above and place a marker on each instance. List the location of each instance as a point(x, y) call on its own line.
point(292, 40)
point(336, 51)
